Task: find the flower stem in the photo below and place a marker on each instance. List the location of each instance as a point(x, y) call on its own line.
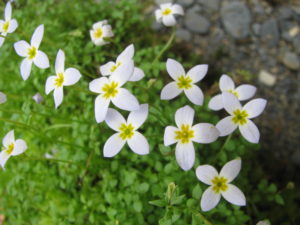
point(226, 142)
point(165, 48)
point(199, 215)
point(48, 159)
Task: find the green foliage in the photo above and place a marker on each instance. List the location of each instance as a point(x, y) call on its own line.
point(83, 187)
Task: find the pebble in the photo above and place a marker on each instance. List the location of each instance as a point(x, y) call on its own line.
point(269, 32)
point(183, 34)
point(185, 3)
point(266, 78)
point(290, 60)
point(210, 5)
point(197, 23)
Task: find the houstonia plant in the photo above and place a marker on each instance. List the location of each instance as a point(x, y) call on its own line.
point(110, 87)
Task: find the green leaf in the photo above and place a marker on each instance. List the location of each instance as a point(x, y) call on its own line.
point(159, 203)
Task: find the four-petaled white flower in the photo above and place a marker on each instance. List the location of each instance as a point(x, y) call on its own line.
point(32, 53)
point(220, 185)
point(127, 132)
point(185, 134)
point(7, 25)
point(63, 77)
point(108, 68)
point(2, 97)
point(110, 89)
point(101, 32)
point(166, 13)
point(242, 92)
point(184, 82)
point(240, 117)
point(11, 147)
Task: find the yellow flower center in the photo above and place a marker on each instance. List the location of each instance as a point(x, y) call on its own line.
point(110, 90)
point(126, 131)
point(240, 117)
point(113, 68)
point(5, 26)
point(185, 134)
point(219, 184)
point(98, 33)
point(59, 80)
point(10, 148)
point(167, 11)
point(184, 82)
point(31, 52)
point(233, 92)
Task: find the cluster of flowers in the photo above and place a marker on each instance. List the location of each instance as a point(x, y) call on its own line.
point(110, 89)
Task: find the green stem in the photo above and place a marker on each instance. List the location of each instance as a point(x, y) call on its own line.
point(226, 142)
point(48, 159)
point(199, 215)
point(165, 48)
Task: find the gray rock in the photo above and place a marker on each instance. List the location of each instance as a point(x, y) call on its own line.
point(290, 60)
point(183, 34)
point(269, 33)
point(185, 3)
point(158, 2)
point(256, 28)
point(296, 43)
point(287, 28)
point(266, 78)
point(285, 13)
point(236, 19)
point(197, 23)
point(210, 5)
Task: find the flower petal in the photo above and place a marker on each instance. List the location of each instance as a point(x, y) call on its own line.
point(138, 117)
point(195, 95)
point(37, 36)
point(50, 84)
point(8, 138)
point(21, 48)
point(174, 69)
point(97, 84)
point(1, 40)
point(107, 31)
point(123, 72)
point(58, 96)
point(101, 107)
point(234, 195)
point(185, 155)
point(169, 20)
point(205, 133)
point(3, 97)
point(12, 26)
point(25, 68)
point(71, 76)
point(105, 69)
point(198, 72)
point(41, 60)
point(158, 15)
point(230, 102)
point(169, 136)
point(177, 9)
point(184, 115)
point(125, 100)
point(216, 103)
point(139, 144)
point(255, 107)
point(231, 169)
point(7, 12)
point(60, 62)
point(128, 53)
point(113, 146)
point(3, 158)
point(226, 83)
point(226, 126)
point(245, 91)
point(209, 199)
point(114, 119)
point(206, 173)
point(137, 75)
point(20, 147)
point(170, 91)
point(250, 132)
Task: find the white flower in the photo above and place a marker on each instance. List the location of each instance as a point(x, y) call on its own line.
point(11, 147)
point(7, 25)
point(242, 92)
point(220, 185)
point(240, 117)
point(63, 77)
point(2, 97)
point(110, 89)
point(184, 82)
point(108, 68)
point(101, 32)
point(166, 13)
point(126, 132)
point(185, 134)
point(32, 53)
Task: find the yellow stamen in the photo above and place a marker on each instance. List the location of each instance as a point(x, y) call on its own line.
point(184, 82)
point(98, 33)
point(110, 90)
point(167, 11)
point(233, 92)
point(240, 117)
point(10, 148)
point(113, 68)
point(126, 131)
point(5, 26)
point(219, 184)
point(59, 80)
point(31, 52)
point(185, 134)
